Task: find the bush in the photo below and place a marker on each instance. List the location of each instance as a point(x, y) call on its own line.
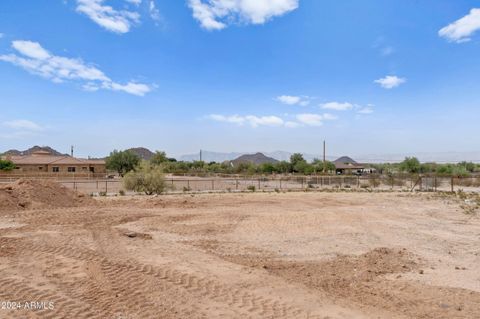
point(159, 158)
point(122, 161)
point(411, 165)
point(147, 179)
point(251, 188)
point(6, 165)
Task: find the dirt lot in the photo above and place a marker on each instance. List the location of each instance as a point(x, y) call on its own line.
point(290, 255)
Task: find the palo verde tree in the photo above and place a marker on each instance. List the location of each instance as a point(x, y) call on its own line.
point(122, 161)
point(146, 178)
point(411, 165)
point(159, 158)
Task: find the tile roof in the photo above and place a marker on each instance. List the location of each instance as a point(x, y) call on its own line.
point(52, 160)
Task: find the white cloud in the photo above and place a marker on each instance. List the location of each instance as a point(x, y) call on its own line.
point(272, 120)
point(154, 13)
point(390, 81)
point(365, 110)
point(36, 60)
point(23, 125)
point(293, 100)
point(252, 120)
point(336, 106)
point(288, 99)
point(461, 30)
point(118, 21)
point(315, 119)
point(310, 119)
point(216, 14)
point(291, 124)
point(135, 2)
point(31, 49)
point(131, 87)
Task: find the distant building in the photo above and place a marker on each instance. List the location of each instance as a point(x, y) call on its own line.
point(45, 162)
point(347, 166)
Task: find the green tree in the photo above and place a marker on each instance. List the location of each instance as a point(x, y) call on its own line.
point(284, 167)
point(6, 165)
point(318, 166)
point(146, 178)
point(410, 165)
point(267, 168)
point(159, 158)
point(469, 166)
point(122, 161)
point(296, 158)
point(299, 164)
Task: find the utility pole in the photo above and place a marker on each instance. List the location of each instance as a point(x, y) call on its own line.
point(71, 151)
point(324, 158)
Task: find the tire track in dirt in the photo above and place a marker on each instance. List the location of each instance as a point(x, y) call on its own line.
point(18, 290)
point(135, 279)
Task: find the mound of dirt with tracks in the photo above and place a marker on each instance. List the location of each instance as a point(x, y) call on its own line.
point(28, 194)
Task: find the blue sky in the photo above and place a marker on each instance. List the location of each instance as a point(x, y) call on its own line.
point(370, 77)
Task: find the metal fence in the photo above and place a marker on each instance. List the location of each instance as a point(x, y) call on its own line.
point(289, 183)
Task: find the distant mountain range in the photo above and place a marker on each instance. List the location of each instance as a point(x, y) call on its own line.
point(142, 152)
point(34, 149)
point(257, 159)
point(219, 157)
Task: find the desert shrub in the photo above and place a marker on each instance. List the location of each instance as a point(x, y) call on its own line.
point(186, 189)
point(251, 188)
point(103, 194)
point(158, 158)
point(121, 192)
point(410, 165)
point(6, 165)
point(374, 181)
point(147, 179)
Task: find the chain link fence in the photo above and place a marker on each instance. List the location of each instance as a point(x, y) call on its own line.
point(289, 183)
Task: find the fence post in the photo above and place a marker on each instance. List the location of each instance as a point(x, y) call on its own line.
point(435, 183)
point(236, 184)
point(358, 181)
point(259, 184)
point(453, 190)
point(106, 187)
point(280, 182)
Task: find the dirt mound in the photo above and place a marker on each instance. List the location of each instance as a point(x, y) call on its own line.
point(27, 194)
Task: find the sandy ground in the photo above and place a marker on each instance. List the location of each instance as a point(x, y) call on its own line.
point(277, 255)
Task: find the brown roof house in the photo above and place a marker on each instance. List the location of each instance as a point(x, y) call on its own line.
point(45, 162)
point(347, 166)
